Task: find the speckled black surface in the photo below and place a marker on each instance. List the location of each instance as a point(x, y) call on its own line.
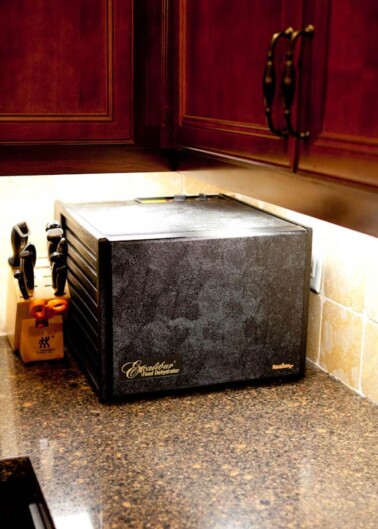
point(292, 455)
point(232, 317)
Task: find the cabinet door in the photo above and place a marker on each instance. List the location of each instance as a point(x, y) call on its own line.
point(343, 109)
point(222, 53)
point(66, 71)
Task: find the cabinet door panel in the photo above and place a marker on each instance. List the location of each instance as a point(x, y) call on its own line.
point(66, 71)
point(345, 143)
point(223, 47)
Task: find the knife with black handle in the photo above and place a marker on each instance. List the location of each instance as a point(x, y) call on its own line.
point(27, 262)
point(62, 247)
point(21, 283)
point(19, 238)
point(32, 250)
point(60, 281)
point(57, 260)
point(54, 235)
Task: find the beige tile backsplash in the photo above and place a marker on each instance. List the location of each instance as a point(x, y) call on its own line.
point(314, 327)
point(371, 301)
point(343, 318)
point(345, 272)
point(340, 343)
point(369, 381)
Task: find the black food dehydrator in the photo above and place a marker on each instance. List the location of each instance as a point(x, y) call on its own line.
point(170, 293)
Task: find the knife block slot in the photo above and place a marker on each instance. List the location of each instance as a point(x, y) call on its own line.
point(18, 307)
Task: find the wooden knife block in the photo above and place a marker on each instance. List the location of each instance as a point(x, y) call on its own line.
point(41, 343)
point(18, 307)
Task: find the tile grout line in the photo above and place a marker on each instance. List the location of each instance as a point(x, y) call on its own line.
point(363, 341)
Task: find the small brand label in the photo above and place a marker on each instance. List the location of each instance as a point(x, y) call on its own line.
point(282, 366)
point(168, 367)
point(44, 346)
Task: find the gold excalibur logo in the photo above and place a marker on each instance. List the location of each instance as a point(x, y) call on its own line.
point(138, 369)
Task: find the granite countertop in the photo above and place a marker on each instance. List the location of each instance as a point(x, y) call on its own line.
point(293, 455)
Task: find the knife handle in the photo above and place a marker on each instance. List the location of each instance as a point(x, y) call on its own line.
point(53, 237)
point(19, 238)
point(21, 283)
point(62, 247)
point(57, 260)
point(61, 278)
point(32, 250)
point(27, 268)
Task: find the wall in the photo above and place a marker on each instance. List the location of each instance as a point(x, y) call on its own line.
point(343, 318)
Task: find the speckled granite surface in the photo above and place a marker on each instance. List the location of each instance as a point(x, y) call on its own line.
point(296, 455)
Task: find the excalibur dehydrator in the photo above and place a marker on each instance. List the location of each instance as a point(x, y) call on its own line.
point(183, 292)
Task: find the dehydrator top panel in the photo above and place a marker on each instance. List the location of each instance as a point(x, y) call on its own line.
point(167, 217)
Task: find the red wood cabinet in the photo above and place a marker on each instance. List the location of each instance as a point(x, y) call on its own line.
point(100, 71)
point(342, 109)
point(66, 71)
point(222, 50)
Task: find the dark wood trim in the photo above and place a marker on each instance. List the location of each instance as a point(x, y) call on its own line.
point(341, 156)
point(69, 159)
point(347, 204)
point(151, 60)
point(224, 125)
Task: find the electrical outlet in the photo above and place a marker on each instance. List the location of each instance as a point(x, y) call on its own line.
point(316, 273)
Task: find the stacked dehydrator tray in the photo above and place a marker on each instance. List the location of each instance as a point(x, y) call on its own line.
point(183, 292)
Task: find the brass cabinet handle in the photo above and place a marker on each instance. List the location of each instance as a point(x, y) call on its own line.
point(289, 81)
point(269, 82)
